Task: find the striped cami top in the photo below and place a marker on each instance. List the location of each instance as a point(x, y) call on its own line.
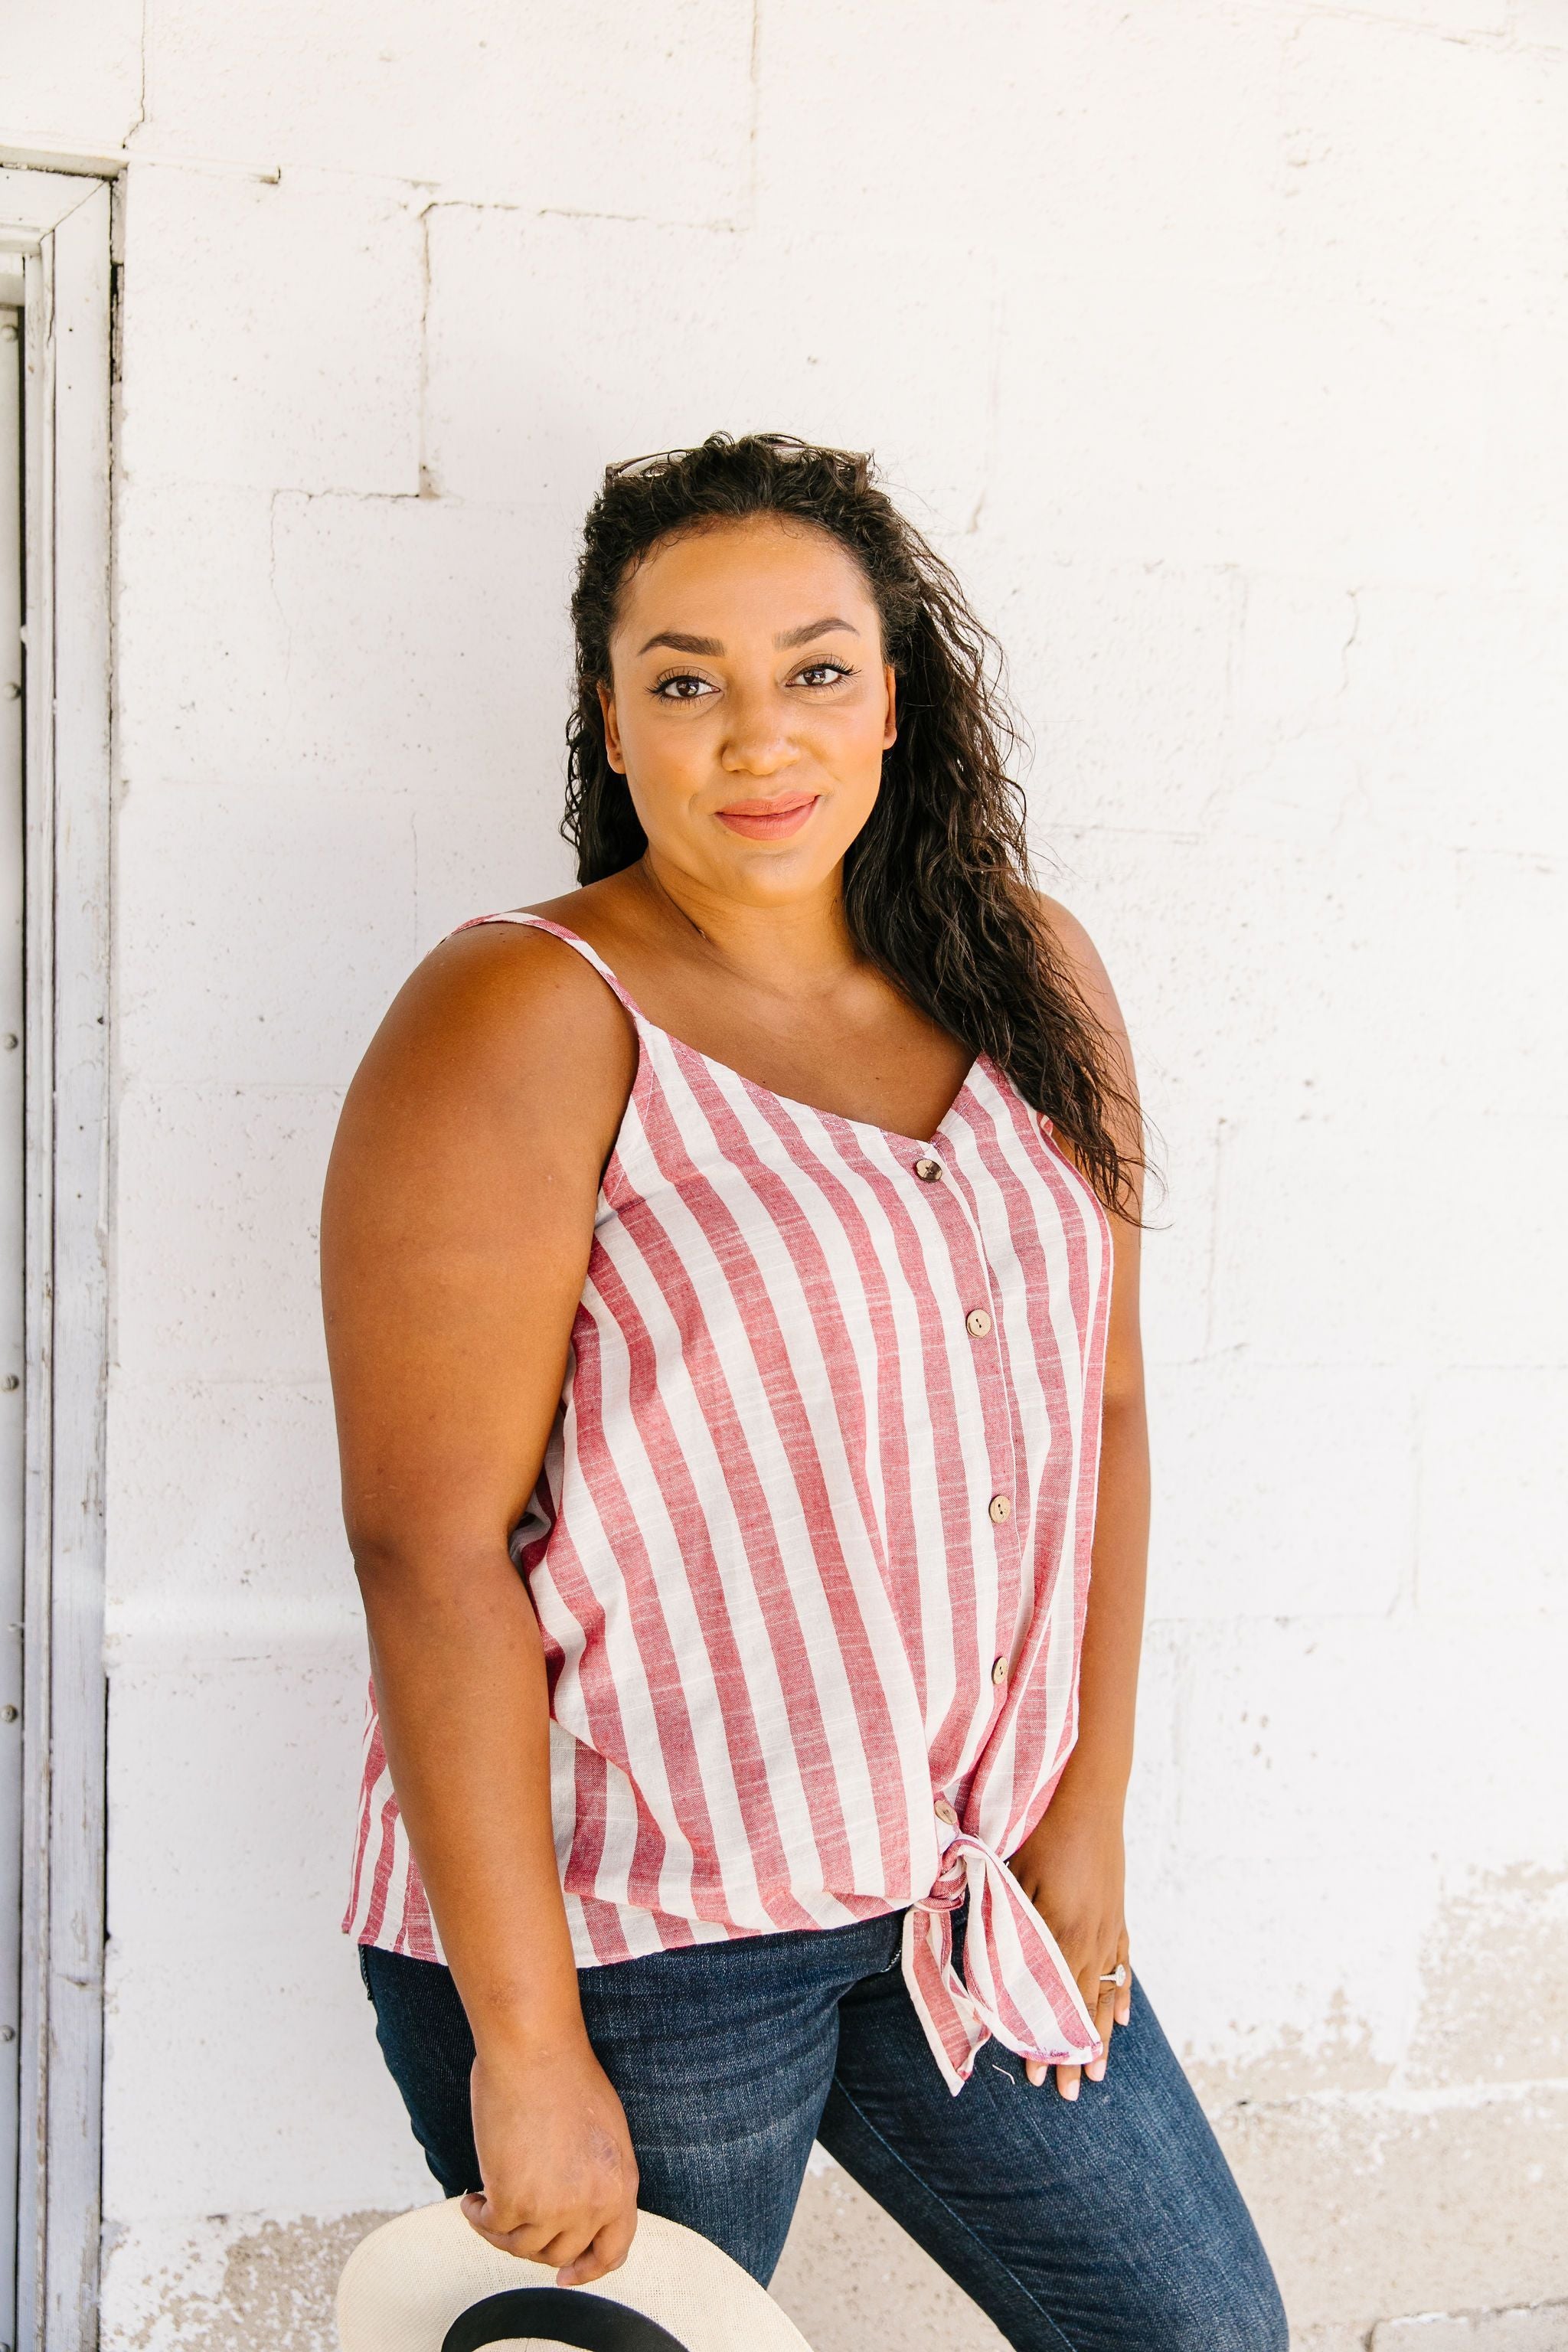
point(810, 1546)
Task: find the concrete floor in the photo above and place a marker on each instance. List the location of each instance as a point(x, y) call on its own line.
point(852, 2280)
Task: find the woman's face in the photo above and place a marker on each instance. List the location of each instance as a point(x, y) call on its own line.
point(750, 706)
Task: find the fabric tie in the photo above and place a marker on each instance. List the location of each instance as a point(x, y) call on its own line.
point(1015, 1983)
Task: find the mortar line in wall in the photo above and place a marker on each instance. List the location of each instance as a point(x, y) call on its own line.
point(1354, 595)
point(1182, 835)
point(355, 498)
point(1377, 19)
point(284, 621)
point(1450, 2098)
point(754, 70)
point(223, 166)
point(1420, 1397)
point(443, 192)
point(1223, 792)
point(998, 314)
point(1209, 1287)
point(219, 1083)
point(427, 488)
point(142, 73)
point(295, 1384)
point(585, 213)
point(1319, 1623)
point(292, 1383)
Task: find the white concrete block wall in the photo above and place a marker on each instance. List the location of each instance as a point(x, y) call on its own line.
point(1225, 350)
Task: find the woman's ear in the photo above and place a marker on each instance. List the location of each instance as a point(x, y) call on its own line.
point(891, 731)
point(613, 752)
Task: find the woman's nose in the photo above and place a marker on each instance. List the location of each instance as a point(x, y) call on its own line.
point(758, 741)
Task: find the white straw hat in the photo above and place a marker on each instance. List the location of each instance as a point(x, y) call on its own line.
point(406, 2287)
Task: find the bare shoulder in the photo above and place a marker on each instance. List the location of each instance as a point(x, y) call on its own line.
point(1084, 963)
point(504, 1017)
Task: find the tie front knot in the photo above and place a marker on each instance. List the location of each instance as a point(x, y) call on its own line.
point(952, 1881)
point(1015, 1983)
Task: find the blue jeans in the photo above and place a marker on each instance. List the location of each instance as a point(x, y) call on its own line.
point(1107, 2225)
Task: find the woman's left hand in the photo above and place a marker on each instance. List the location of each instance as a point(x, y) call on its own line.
point(1073, 1870)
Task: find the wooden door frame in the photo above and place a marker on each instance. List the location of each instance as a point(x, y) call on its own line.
point(59, 223)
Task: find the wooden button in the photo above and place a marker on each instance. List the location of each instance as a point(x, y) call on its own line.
point(927, 1170)
point(978, 1324)
point(1001, 1508)
point(999, 1672)
point(944, 1812)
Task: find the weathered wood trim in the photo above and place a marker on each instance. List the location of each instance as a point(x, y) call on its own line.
point(62, 225)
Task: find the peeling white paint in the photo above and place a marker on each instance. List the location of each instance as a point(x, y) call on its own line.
point(1540, 2327)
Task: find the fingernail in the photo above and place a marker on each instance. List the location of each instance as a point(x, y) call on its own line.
point(1096, 2072)
point(1068, 2090)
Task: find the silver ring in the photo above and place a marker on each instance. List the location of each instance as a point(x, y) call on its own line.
point(1118, 1979)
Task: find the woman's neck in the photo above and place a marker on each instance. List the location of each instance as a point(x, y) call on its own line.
point(795, 948)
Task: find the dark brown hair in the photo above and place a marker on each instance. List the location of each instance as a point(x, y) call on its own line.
point(937, 888)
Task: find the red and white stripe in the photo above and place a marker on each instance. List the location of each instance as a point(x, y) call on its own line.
point(800, 1676)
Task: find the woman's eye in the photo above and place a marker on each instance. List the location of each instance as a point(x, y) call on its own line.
point(824, 674)
point(682, 689)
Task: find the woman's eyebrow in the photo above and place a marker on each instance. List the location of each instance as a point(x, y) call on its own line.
point(681, 643)
point(812, 629)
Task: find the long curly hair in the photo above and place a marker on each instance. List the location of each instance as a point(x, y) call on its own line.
point(936, 890)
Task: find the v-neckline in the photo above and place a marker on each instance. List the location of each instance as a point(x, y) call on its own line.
point(755, 1086)
point(810, 1110)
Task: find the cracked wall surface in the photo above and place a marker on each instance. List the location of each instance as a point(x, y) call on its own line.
point(1224, 351)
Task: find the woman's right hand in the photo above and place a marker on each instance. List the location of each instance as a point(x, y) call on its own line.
point(556, 2156)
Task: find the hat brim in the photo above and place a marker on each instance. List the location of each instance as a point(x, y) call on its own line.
point(404, 2284)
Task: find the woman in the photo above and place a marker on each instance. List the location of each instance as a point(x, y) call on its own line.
point(717, 1283)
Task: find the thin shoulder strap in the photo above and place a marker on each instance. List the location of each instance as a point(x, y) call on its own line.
point(559, 931)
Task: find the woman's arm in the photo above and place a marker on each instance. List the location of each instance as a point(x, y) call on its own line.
point(1072, 1865)
point(454, 1236)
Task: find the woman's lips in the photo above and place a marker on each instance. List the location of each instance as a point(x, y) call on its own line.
point(768, 820)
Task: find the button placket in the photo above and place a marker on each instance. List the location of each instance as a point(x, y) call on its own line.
point(996, 1407)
